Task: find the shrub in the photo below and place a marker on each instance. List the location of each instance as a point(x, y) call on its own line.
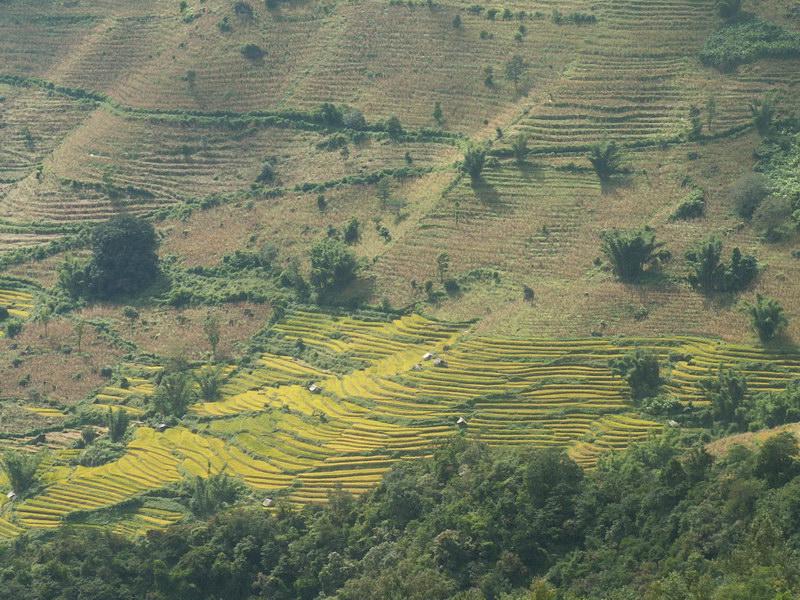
point(20, 468)
point(4, 314)
point(515, 69)
point(352, 231)
point(211, 494)
point(767, 317)
point(353, 119)
point(762, 112)
point(267, 174)
point(606, 158)
point(243, 9)
point(474, 161)
point(692, 206)
point(333, 266)
point(13, 327)
point(747, 193)
point(252, 52)
point(640, 369)
point(438, 115)
point(451, 286)
point(457, 22)
point(709, 274)
point(773, 218)
point(747, 41)
point(630, 252)
point(174, 394)
point(728, 9)
point(394, 128)
point(330, 115)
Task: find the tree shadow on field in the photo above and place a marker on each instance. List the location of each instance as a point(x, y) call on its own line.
point(531, 172)
point(616, 183)
point(487, 195)
point(355, 295)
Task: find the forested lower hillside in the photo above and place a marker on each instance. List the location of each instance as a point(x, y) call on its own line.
point(385, 299)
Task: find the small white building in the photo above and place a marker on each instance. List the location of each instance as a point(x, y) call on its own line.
point(314, 388)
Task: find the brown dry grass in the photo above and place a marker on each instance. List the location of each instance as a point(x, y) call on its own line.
point(750, 439)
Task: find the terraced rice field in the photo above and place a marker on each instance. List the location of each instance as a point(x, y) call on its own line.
point(290, 429)
point(18, 302)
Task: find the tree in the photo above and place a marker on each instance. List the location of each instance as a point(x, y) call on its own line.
point(352, 231)
point(79, 326)
point(457, 22)
point(767, 317)
point(762, 112)
point(117, 422)
point(631, 251)
point(474, 161)
point(132, 315)
point(515, 69)
point(333, 266)
point(20, 468)
point(211, 494)
point(43, 313)
point(606, 158)
point(209, 380)
point(726, 392)
point(777, 460)
point(711, 112)
point(384, 191)
point(174, 394)
point(710, 274)
point(212, 330)
point(729, 9)
point(488, 76)
point(695, 123)
point(394, 128)
point(748, 192)
point(519, 147)
point(124, 260)
point(640, 369)
point(438, 115)
point(442, 265)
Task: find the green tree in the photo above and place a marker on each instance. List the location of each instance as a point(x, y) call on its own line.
point(630, 252)
point(211, 328)
point(763, 112)
point(79, 325)
point(729, 9)
point(117, 422)
point(641, 370)
point(174, 394)
point(747, 193)
point(606, 158)
point(131, 314)
point(711, 112)
point(767, 317)
point(333, 266)
point(726, 393)
point(43, 313)
point(20, 468)
point(474, 161)
point(352, 231)
point(710, 274)
point(519, 147)
point(213, 493)
point(488, 76)
point(438, 115)
point(124, 260)
point(777, 460)
point(457, 22)
point(442, 265)
point(209, 381)
point(695, 123)
point(515, 70)
point(384, 191)
point(394, 128)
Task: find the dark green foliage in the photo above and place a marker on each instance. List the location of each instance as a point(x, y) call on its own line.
point(726, 393)
point(20, 468)
point(394, 128)
point(252, 52)
point(174, 394)
point(519, 148)
point(641, 370)
point(267, 174)
point(775, 408)
point(658, 521)
point(352, 231)
point(333, 266)
point(775, 218)
point(630, 252)
point(438, 115)
point(576, 18)
point(330, 115)
point(515, 69)
point(457, 22)
point(763, 113)
point(209, 381)
point(12, 327)
point(124, 261)
point(101, 452)
point(4, 314)
point(117, 422)
point(695, 123)
point(747, 41)
point(767, 317)
point(728, 9)
point(747, 193)
point(211, 494)
point(692, 206)
point(606, 158)
point(474, 161)
point(709, 274)
point(778, 460)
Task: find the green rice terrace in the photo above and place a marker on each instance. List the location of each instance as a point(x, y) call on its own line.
point(265, 254)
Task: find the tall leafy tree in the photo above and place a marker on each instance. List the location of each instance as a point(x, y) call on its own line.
point(630, 252)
